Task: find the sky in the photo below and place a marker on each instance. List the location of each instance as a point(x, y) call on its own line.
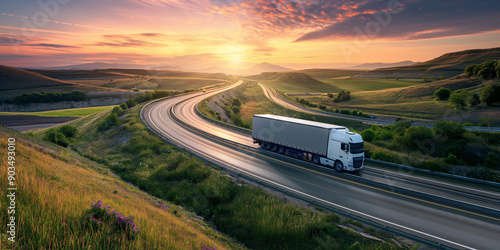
point(201, 34)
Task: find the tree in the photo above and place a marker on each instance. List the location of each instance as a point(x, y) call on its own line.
point(130, 103)
point(236, 101)
point(442, 93)
point(343, 96)
point(497, 68)
point(470, 70)
point(68, 131)
point(368, 135)
point(487, 69)
point(458, 98)
point(474, 100)
point(491, 93)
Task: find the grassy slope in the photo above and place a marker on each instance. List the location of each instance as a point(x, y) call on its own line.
point(77, 112)
point(255, 102)
point(56, 187)
point(450, 64)
point(249, 214)
point(291, 82)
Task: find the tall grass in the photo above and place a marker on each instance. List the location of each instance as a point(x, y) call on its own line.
point(254, 217)
point(56, 188)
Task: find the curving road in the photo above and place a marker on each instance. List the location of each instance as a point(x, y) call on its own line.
point(272, 95)
point(433, 220)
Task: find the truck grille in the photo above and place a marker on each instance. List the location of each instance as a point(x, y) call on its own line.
point(357, 162)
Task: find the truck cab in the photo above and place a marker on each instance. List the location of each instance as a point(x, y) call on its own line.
point(345, 151)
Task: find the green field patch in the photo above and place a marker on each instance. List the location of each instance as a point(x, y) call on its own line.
point(77, 112)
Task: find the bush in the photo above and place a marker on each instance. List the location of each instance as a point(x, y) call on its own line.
point(130, 103)
point(451, 159)
point(492, 160)
point(236, 110)
point(458, 98)
point(469, 70)
point(124, 106)
point(474, 100)
point(236, 101)
point(118, 110)
point(343, 96)
point(384, 134)
point(68, 131)
point(56, 137)
point(49, 97)
point(491, 93)
point(442, 93)
point(415, 137)
point(368, 135)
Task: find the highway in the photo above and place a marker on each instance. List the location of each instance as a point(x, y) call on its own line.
point(274, 96)
point(435, 220)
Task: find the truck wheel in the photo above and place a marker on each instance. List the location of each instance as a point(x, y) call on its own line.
point(275, 148)
point(315, 159)
point(281, 150)
point(262, 144)
point(269, 145)
point(338, 166)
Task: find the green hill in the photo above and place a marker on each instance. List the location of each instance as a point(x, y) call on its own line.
point(294, 82)
point(55, 191)
point(448, 65)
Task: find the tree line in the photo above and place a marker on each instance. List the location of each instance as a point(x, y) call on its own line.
point(44, 97)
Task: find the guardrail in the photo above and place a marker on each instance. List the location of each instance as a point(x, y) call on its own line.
point(285, 190)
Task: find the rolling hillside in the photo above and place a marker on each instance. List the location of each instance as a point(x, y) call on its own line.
point(294, 82)
point(448, 65)
point(56, 188)
point(15, 81)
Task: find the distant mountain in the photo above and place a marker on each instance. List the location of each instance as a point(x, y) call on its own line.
point(382, 65)
point(104, 65)
point(13, 79)
point(447, 65)
point(267, 67)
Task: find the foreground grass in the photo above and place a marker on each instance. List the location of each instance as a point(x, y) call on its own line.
point(55, 189)
point(77, 112)
point(254, 217)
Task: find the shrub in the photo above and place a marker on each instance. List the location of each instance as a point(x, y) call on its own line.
point(130, 103)
point(56, 137)
point(236, 101)
point(68, 131)
point(458, 98)
point(384, 134)
point(118, 110)
point(442, 93)
point(236, 110)
point(469, 70)
point(492, 160)
point(451, 159)
point(124, 106)
point(491, 93)
point(368, 135)
point(415, 137)
point(343, 96)
point(474, 100)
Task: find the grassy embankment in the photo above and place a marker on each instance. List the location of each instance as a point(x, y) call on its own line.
point(255, 102)
point(76, 112)
point(55, 190)
point(254, 217)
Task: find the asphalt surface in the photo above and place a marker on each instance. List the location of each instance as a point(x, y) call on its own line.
point(433, 220)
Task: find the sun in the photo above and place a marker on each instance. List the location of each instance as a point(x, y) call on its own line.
point(233, 55)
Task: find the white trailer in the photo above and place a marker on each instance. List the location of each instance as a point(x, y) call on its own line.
point(327, 144)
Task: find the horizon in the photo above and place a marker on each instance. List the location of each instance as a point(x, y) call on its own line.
point(239, 34)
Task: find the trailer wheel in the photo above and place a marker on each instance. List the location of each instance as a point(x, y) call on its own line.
point(281, 150)
point(275, 148)
point(262, 144)
point(269, 145)
point(338, 166)
point(315, 159)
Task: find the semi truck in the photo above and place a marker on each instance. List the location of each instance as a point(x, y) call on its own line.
point(322, 143)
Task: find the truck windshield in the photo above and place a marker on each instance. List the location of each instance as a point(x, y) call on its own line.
point(357, 148)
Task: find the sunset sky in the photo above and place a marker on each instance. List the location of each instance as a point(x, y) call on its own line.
point(197, 34)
